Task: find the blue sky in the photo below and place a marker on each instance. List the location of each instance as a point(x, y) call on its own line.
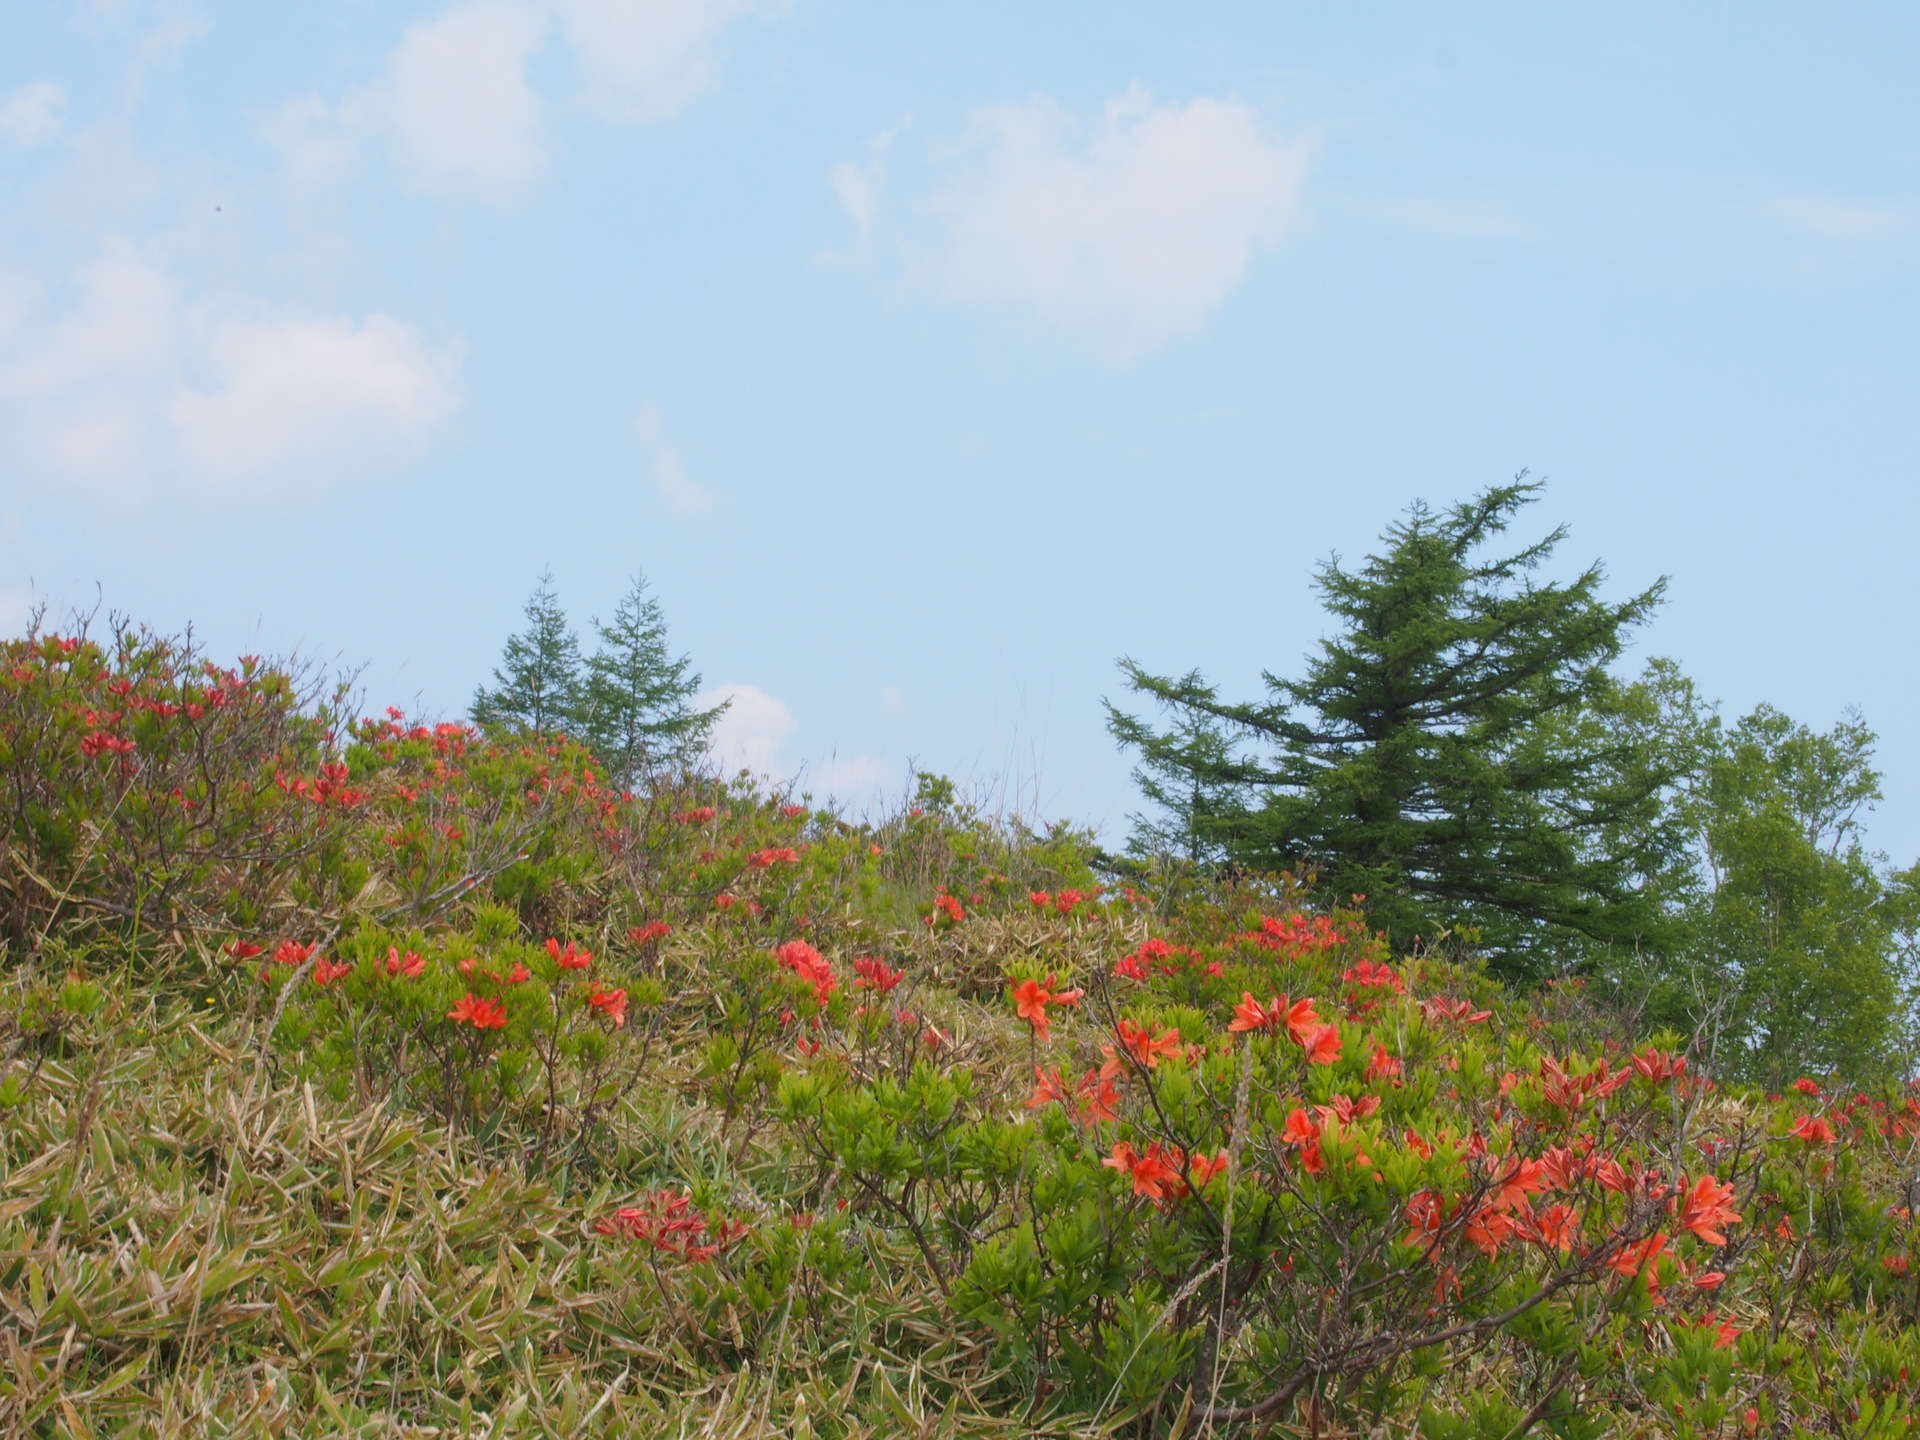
point(927, 359)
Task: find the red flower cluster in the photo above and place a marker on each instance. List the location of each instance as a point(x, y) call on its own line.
point(874, 974)
point(1031, 999)
point(1099, 1099)
point(330, 785)
point(469, 1009)
point(944, 905)
point(571, 958)
point(1656, 1064)
point(1158, 955)
point(101, 743)
point(1065, 903)
point(668, 1223)
point(766, 859)
point(410, 965)
point(1297, 937)
point(1141, 1048)
point(1298, 1018)
point(811, 966)
point(646, 934)
point(1440, 1008)
point(1157, 1172)
point(611, 1003)
point(1813, 1131)
point(1573, 1092)
point(1372, 975)
point(698, 816)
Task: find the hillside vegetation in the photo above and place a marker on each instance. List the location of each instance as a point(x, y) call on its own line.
point(368, 1077)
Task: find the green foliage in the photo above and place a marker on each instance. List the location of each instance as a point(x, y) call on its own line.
point(635, 706)
point(536, 688)
point(1794, 945)
point(507, 1102)
point(630, 702)
point(1426, 759)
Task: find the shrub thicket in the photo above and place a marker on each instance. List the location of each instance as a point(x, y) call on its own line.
point(375, 1076)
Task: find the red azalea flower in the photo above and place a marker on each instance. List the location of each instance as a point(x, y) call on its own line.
point(469, 1009)
point(1705, 1210)
point(611, 1003)
point(874, 974)
point(1814, 1132)
point(571, 958)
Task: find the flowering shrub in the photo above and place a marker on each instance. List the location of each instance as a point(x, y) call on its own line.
point(429, 1059)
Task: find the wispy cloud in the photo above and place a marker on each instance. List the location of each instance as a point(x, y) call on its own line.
point(753, 730)
point(453, 103)
point(34, 114)
point(137, 383)
point(647, 59)
point(457, 108)
point(1800, 233)
point(1129, 237)
point(683, 494)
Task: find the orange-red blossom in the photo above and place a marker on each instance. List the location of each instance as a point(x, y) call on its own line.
point(1141, 1045)
point(1099, 1100)
point(469, 1009)
point(1814, 1132)
point(1705, 1209)
point(1302, 1024)
point(611, 1003)
point(1031, 999)
point(571, 958)
point(1156, 1172)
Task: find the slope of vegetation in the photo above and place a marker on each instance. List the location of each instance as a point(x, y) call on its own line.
point(373, 1078)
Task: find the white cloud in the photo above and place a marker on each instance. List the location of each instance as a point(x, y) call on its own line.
point(454, 104)
point(749, 735)
point(457, 107)
point(852, 780)
point(16, 606)
point(858, 190)
point(683, 494)
point(33, 114)
point(288, 388)
point(137, 384)
point(645, 59)
point(1806, 235)
point(1130, 239)
point(457, 99)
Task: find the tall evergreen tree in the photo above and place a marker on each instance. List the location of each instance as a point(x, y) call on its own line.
point(636, 705)
point(536, 687)
point(1427, 757)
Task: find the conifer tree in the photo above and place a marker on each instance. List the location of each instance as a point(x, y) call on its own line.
point(1426, 759)
point(536, 687)
point(636, 705)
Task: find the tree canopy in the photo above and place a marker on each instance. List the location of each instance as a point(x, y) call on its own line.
point(631, 701)
point(1436, 754)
